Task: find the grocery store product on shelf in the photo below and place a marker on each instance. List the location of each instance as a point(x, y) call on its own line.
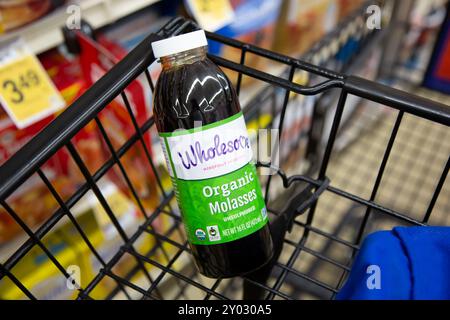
point(66, 75)
point(12, 139)
point(254, 23)
point(96, 58)
point(108, 239)
point(131, 30)
point(437, 76)
point(210, 15)
point(70, 249)
point(16, 13)
point(209, 157)
point(296, 124)
point(46, 281)
point(33, 202)
point(72, 75)
point(303, 23)
point(346, 7)
point(70, 82)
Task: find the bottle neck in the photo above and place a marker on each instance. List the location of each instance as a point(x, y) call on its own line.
point(182, 58)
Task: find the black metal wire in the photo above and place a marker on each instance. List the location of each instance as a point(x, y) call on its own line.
point(376, 185)
point(241, 62)
point(113, 261)
point(36, 241)
point(55, 218)
point(280, 129)
point(17, 282)
point(73, 220)
point(437, 191)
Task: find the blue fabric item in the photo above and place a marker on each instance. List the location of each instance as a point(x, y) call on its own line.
point(409, 262)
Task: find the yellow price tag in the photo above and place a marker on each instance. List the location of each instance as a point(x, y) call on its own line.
point(211, 14)
point(26, 92)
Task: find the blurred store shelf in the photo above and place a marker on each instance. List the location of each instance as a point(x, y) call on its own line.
point(46, 33)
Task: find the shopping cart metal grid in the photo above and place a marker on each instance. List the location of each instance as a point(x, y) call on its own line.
point(29, 160)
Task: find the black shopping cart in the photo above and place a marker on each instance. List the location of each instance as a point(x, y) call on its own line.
point(312, 257)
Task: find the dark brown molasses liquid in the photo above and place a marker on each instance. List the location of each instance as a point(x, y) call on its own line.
point(190, 89)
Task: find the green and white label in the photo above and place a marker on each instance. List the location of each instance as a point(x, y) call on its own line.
point(215, 181)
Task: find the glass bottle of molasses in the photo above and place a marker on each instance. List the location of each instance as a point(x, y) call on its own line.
point(209, 158)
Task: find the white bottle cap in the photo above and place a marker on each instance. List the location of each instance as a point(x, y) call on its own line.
point(179, 43)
